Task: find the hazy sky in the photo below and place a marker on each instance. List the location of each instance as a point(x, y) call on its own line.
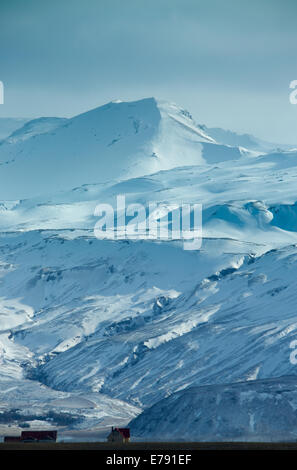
point(229, 62)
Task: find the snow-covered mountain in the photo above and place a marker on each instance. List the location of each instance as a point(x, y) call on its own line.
point(135, 139)
point(97, 331)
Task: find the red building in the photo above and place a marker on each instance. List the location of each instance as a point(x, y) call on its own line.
point(33, 436)
point(119, 435)
point(38, 436)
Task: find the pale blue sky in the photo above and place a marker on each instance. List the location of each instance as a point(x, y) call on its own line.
point(228, 62)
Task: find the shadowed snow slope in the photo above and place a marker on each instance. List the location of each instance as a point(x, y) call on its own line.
point(262, 410)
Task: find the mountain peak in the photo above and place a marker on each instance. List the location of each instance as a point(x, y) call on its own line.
point(113, 142)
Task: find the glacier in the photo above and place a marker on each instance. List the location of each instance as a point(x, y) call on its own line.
point(101, 332)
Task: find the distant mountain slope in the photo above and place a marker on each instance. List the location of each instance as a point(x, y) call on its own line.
point(33, 128)
point(10, 125)
point(201, 319)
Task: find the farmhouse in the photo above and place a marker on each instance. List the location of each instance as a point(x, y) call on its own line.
point(119, 435)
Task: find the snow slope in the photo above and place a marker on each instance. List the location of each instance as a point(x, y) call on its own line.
point(96, 330)
point(243, 140)
point(10, 125)
point(33, 128)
